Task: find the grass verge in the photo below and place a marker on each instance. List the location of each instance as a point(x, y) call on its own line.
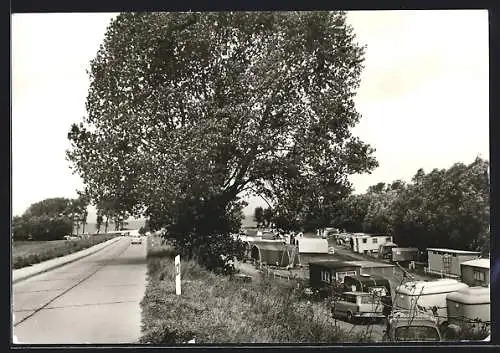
point(27, 253)
point(213, 310)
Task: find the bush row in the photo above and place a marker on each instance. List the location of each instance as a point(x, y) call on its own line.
point(58, 250)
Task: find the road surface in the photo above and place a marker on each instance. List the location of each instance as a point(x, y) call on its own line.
point(93, 300)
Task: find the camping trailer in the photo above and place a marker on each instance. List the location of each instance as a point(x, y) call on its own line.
point(446, 262)
point(469, 303)
point(476, 272)
point(404, 255)
point(368, 243)
point(426, 295)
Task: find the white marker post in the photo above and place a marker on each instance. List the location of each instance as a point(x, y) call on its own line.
point(178, 275)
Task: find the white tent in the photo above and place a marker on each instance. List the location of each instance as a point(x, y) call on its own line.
point(312, 246)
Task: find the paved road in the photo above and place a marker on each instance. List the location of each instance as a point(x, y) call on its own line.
point(93, 300)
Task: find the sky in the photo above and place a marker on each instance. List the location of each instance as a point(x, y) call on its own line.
point(423, 97)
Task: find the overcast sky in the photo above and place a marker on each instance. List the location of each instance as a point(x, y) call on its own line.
point(423, 96)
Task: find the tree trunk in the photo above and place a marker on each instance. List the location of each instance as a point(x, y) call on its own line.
point(106, 225)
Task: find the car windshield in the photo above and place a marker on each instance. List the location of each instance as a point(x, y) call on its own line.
point(416, 333)
point(380, 291)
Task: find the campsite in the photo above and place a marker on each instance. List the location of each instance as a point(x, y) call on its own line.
point(250, 177)
point(450, 294)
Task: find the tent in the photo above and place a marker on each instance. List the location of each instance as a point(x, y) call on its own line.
point(275, 253)
point(312, 245)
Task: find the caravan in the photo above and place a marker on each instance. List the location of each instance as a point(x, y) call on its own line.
point(471, 304)
point(428, 296)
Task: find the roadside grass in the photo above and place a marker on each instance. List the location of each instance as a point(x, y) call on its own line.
point(214, 310)
point(27, 253)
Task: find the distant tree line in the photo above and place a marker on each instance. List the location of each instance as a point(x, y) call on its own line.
point(54, 218)
point(444, 208)
point(51, 219)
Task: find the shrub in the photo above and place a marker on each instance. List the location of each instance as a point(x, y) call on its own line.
point(39, 252)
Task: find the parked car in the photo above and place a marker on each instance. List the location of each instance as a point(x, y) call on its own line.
point(135, 239)
point(406, 326)
point(357, 305)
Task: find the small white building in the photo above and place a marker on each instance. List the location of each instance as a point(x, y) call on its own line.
point(446, 262)
point(369, 243)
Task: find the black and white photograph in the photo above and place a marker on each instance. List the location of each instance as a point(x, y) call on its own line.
point(250, 177)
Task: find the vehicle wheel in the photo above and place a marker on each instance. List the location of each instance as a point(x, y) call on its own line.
point(349, 317)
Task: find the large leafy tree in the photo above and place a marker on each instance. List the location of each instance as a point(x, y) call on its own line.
point(189, 111)
point(351, 211)
point(51, 207)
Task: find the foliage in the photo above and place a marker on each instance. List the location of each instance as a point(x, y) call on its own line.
point(99, 220)
point(187, 112)
point(445, 208)
point(351, 212)
point(258, 216)
point(77, 211)
point(268, 216)
point(49, 219)
point(51, 207)
point(32, 252)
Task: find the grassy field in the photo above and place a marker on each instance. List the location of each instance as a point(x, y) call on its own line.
point(27, 253)
point(214, 309)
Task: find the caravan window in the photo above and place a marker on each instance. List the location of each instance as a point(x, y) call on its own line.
point(364, 241)
point(325, 276)
point(388, 239)
point(479, 276)
point(375, 240)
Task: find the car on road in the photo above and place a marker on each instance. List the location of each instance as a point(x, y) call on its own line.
point(135, 239)
point(357, 305)
point(71, 237)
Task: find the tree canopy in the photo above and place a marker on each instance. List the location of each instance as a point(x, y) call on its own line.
point(189, 111)
point(443, 208)
point(50, 219)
